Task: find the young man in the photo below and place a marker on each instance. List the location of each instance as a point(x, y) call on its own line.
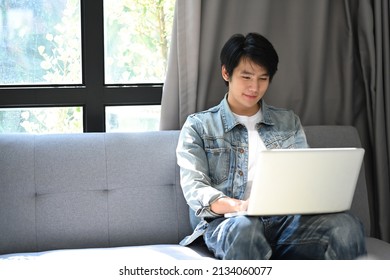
point(217, 155)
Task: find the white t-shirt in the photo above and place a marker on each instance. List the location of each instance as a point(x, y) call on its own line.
point(254, 142)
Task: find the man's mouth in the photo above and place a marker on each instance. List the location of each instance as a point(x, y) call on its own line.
point(250, 96)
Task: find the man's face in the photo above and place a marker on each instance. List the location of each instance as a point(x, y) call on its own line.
point(247, 86)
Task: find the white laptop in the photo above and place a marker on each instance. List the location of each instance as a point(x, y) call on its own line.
point(304, 181)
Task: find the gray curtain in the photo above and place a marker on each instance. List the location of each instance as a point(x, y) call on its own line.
point(334, 69)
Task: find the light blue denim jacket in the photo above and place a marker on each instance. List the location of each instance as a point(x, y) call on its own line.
point(212, 153)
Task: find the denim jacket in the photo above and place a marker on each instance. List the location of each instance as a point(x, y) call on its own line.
point(212, 153)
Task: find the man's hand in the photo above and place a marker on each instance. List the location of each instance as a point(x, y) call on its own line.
point(228, 205)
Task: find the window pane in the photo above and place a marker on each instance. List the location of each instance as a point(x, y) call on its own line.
point(132, 118)
point(40, 42)
point(42, 120)
point(137, 37)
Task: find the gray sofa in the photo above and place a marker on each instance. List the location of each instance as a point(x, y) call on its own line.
point(114, 195)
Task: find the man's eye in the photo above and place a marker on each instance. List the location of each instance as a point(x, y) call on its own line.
point(246, 77)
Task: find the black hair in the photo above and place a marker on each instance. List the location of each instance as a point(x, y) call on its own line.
point(253, 46)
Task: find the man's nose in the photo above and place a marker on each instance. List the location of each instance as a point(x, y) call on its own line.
point(254, 85)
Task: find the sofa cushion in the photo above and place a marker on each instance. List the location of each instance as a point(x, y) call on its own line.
point(90, 190)
point(377, 249)
point(128, 254)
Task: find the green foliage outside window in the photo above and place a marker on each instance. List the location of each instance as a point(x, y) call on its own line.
point(137, 40)
point(41, 120)
point(61, 51)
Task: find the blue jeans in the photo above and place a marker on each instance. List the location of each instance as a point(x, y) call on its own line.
point(330, 236)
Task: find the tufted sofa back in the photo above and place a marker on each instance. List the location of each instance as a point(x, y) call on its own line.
point(89, 190)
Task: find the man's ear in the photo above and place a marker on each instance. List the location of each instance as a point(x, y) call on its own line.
point(225, 74)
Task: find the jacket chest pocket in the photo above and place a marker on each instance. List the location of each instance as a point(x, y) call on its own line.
point(219, 162)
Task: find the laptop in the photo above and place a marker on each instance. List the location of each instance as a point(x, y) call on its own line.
point(304, 181)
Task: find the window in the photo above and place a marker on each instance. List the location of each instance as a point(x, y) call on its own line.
point(132, 118)
point(41, 42)
point(42, 120)
point(82, 65)
point(137, 34)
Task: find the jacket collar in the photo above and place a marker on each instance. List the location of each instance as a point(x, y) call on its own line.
point(229, 121)
point(267, 118)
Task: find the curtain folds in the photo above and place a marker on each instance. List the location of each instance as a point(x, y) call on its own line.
point(182, 74)
point(378, 98)
point(334, 69)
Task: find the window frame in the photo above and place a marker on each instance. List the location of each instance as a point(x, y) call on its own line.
point(93, 94)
